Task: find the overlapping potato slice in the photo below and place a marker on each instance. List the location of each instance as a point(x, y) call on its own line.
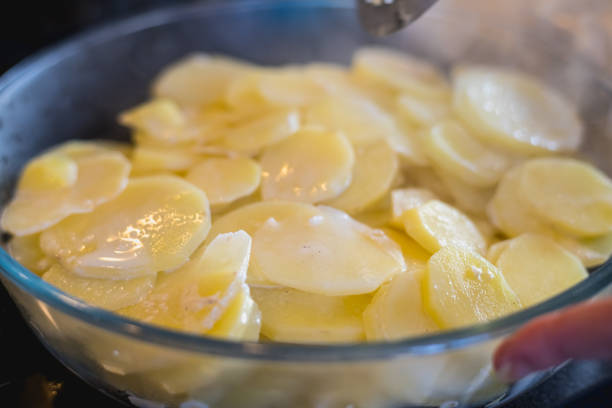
point(311, 166)
point(241, 320)
point(147, 160)
point(105, 293)
point(26, 250)
point(40, 203)
point(252, 216)
point(288, 87)
point(473, 200)
point(195, 297)
point(569, 194)
point(508, 210)
point(422, 112)
point(451, 149)
point(462, 288)
point(591, 251)
point(254, 135)
point(225, 180)
point(415, 255)
point(293, 316)
point(537, 268)
point(401, 72)
point(403, 199)
point(515, 111)
point(199, 79)
point(154, 225)
point(435, 225)
point(374, 171)
point(327, 254)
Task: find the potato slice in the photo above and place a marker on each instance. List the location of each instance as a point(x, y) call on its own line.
point(50, 171)
point(241, 320)
point(496, 250)
point(462, 288)
point(515, 111)
point(26, 250)
point(225, 180)
point(327, 254)
point(374, 218)
point(422, 112)
point(397, 311)
point(101, 176)
point(451, 149)
point(250, 218)
point(401, 72)
point(415, 255)
point(403, 199)
point(148, 160)
point(537, 268)
point(508, 210)
point(254, 135)
point(104, 293)
point(374, 171)
point(154, 225)
point(292, 316)
point(435, 225)
point(473, 200)
point(591, 251)
point(199, 79)
point(288, 87)
point(571, 195)
point(310, 166)
point(195, 297)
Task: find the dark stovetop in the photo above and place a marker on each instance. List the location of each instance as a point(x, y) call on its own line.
point(28, 373)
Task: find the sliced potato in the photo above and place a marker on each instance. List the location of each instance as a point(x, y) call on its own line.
point(453, 150)
point(51, 171)
point(26, 250)
point(401, 72)
point(327, 254)
point(199, 79)
point(225, 180)
point(397, 311)
point(591, 251)
point(241, 320)
point(537, 268)
point(104, 293)
point(415, 255)
point(422, 112)
point(154, 225)
point(463, 288)
point(403, 199)
point(473, 200)
point(571, 195)
point(195, 297)
point(374, 171)
point(292, 316)
point(250, 218)
point(374, 218)
point(288, 87)
point(148, 160)
point(310, 166)
point(515, 111)
point(508, 210)
point(496, 250)
point(254, 135)
point(100, 177)
point(435, 225)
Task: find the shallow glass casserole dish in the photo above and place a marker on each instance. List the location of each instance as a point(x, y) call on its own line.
point(76, 90)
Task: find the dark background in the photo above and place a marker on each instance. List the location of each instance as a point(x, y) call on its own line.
point(29, 375)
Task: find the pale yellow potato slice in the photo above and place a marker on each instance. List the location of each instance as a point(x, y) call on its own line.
point(50, 171)
point(435, 225)
point(496, 250)
point(311, 166)
point(148, 160)
point(256, 134)
point(195, 297)
point(462, 288)
point(537, 268)
point(403, 199)
point(422, 112)
point(515, 111)
point(199, 79)
point(241, 320)
point(327, 254)
point(508, 210)
point(401, 72)
point(154, 225)
point(104, 293)
point(288, 87)
point(252, 216)
point(415, 255)
point(26, 250)
point(374, 218)
point(225, 180)
point(292, 316)
point(397, 311)
point(453, 150)
point(374, 171)
point(101, 176)
point(473, 200)
point(572, 195)
point(591, 251)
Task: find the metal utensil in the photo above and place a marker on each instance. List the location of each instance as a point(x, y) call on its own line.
point(383, 17)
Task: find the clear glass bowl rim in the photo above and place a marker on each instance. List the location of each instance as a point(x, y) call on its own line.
point(103, 319)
